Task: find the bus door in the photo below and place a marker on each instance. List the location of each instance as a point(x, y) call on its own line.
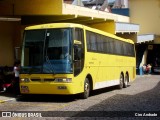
point(78, 51)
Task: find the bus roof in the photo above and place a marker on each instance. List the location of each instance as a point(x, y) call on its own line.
point(72, 25)
point(54, 25)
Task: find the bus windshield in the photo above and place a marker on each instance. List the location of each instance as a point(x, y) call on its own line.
point(47, 51)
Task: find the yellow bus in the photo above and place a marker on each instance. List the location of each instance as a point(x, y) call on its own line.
point(92, 59)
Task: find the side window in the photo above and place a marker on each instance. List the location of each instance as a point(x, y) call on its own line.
point(110, 45)
point(79, 34)
point(113, 51)
point(88, 40)
point(93, 42)
point(133, 50)
point(130, 48)
point(106, 44)
point(119, 47)
point(100, 43)
point(122, 48)
point(125, 49)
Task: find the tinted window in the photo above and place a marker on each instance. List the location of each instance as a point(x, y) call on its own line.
point(104, 44)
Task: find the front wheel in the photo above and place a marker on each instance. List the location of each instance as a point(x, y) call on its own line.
point(86, 92)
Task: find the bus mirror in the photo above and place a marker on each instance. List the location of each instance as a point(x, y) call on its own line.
point(77, 42)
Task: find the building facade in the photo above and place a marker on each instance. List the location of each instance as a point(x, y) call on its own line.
point(146, 14)
point(15, 15)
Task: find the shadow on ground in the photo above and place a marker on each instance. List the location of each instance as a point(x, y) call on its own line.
point(59, 98)
point(123, 105)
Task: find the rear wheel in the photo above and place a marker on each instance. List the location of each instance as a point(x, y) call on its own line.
point(126, 81)
point(120, 86)
point(86, 92)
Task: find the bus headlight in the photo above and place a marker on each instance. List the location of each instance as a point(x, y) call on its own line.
point(68, 80)
point(24, 80)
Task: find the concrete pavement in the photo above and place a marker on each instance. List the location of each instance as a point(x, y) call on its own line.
point(6, 96)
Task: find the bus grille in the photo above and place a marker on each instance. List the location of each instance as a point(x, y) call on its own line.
point(35, 80)
point(49, 80)
point(41, 80)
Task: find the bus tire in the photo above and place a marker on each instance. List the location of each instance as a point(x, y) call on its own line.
point(120, 86)
point(86, 92)
point(125, 81)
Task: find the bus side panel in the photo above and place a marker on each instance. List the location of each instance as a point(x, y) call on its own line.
point(102, 68)
point(106, 69)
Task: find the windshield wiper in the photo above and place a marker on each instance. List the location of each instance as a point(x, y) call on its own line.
point(50, 65)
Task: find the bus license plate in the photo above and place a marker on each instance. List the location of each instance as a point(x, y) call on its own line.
point(24, 89)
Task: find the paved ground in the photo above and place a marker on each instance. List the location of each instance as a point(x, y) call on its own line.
point(141, 96)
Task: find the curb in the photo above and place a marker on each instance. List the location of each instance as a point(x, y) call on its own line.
point(6, 99)
point(138, 76)
point(3, 101)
